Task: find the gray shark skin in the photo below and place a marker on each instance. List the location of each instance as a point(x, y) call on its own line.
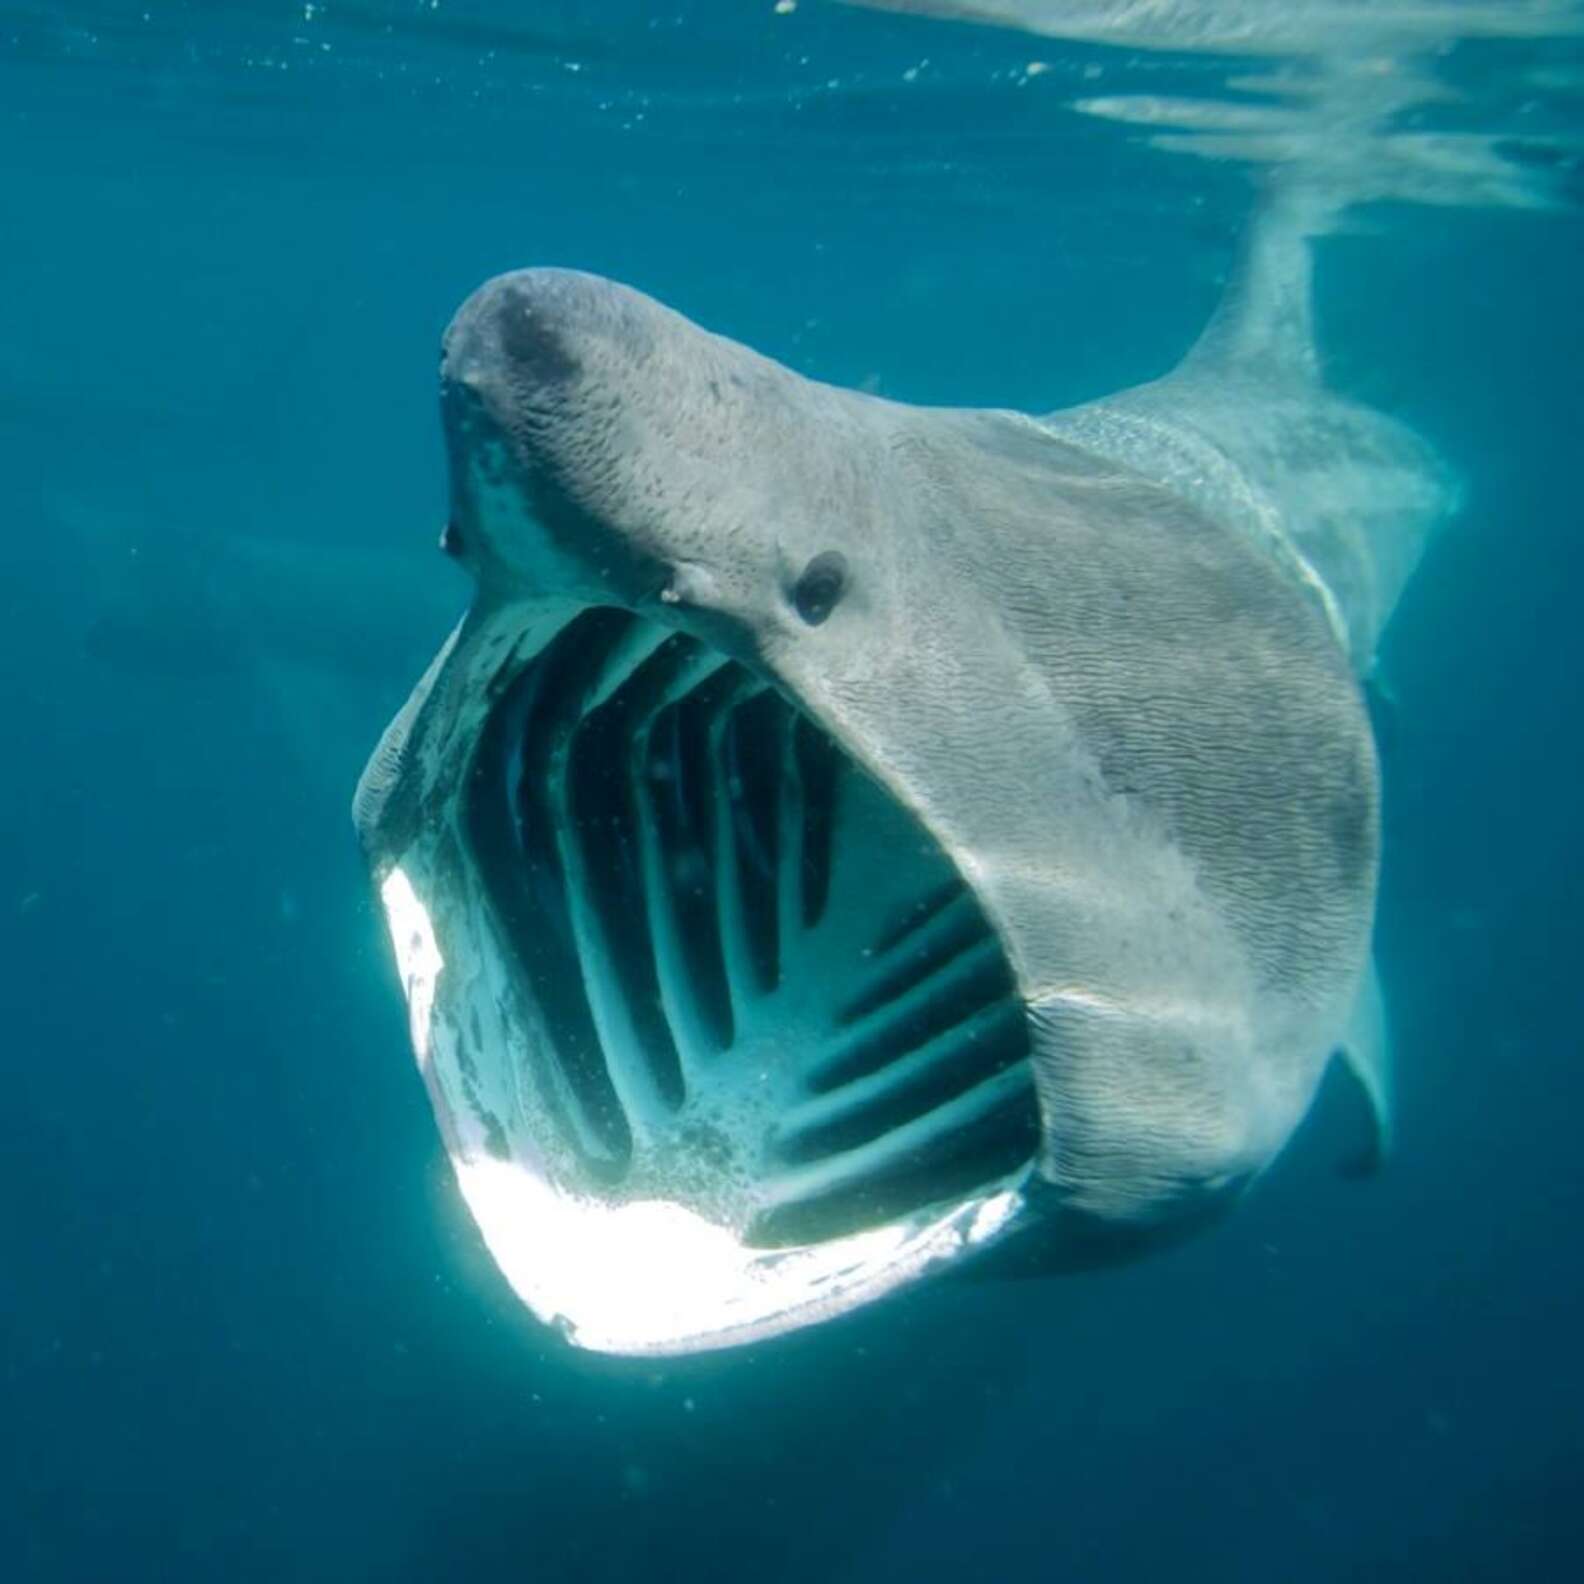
point(842, 835)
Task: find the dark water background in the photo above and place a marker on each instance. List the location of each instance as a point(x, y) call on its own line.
point(246, 1329)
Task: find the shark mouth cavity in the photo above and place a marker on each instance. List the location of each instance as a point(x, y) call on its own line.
point(725, 1044)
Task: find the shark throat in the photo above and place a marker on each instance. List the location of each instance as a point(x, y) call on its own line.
point(765, 990)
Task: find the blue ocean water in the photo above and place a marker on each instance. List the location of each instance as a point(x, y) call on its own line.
point(247, 1330)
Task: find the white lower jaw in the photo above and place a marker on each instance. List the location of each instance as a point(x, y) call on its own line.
point(651, 1276)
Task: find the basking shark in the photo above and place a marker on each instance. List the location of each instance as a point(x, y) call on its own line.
point(842, 837)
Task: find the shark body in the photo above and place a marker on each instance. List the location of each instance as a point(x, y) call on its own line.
point(843, 836)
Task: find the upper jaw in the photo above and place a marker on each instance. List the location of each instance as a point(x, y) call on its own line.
point(657, 458)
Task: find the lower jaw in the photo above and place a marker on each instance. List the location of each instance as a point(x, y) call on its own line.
point(723, 1044)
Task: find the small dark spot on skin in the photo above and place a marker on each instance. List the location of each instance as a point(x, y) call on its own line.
point(816, 592)
point(535, 346)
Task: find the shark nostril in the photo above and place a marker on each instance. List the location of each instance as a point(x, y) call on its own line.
point(820, 586)
point(689, 584)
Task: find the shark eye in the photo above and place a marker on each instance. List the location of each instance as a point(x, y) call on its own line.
point(820, 586)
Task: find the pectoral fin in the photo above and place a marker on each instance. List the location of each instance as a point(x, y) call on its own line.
point(1366, 1054)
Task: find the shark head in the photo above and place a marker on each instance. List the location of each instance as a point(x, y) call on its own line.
point(842, 835)
point(603, 447)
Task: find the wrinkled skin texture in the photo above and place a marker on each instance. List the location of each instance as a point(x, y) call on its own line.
point(1129, 721)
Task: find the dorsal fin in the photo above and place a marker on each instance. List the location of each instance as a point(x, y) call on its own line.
point(1265, 320)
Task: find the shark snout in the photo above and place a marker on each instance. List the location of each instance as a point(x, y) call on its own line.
point(529, 392)
point(517, 336)
point(605, 449)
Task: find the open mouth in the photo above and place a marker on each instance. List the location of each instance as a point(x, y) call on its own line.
point(763, 997)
